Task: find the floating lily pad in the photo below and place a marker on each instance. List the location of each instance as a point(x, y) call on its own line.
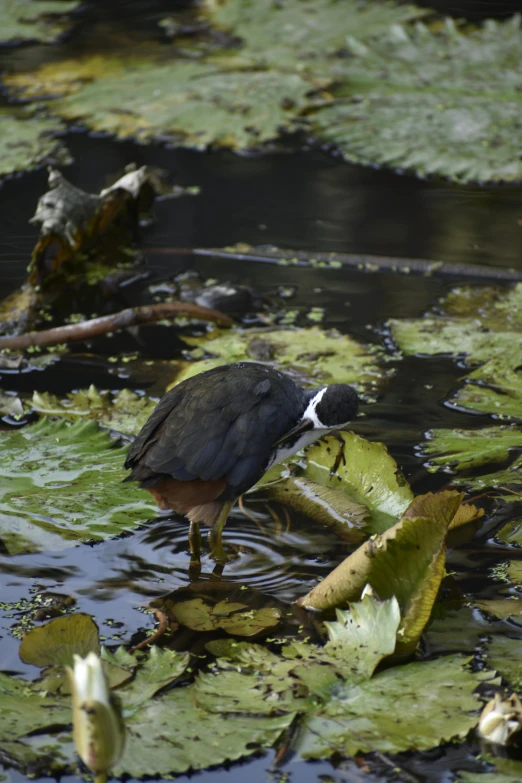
point(29, 142)
point(465, 449)
point(506, 771)
point(503, 608)
point(61, 484)
point(313, 356)
point(298, 34)
point(411, 100)
point(193, 102)
point(56, 642)
point(251, 679)
point(43, 20)
point(234, 618)
point(414, 707)
point(173, 734)
point(124, 412)
point(495, 388)
point(505, 656)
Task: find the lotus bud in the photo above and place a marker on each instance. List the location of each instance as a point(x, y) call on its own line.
point(501, 719)
point(98, 731)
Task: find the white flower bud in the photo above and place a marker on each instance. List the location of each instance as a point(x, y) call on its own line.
point(501, 719)
point(98, 731)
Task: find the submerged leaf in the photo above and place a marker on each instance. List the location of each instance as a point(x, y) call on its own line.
point(313, 356)
point(413, 707)
point(57, 641)
point(60, 484)
point(331, 507)
point(234, 618)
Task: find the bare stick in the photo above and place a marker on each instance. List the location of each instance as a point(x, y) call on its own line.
point(133, 316)
point(362, 262)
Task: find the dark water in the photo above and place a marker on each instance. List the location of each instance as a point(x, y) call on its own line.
point(303, 200)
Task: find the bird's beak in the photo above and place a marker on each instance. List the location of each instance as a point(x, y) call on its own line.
point(292, 435)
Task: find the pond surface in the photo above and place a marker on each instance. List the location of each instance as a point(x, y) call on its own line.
point(295, 199)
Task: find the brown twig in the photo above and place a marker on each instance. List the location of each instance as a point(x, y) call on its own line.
point(132, 316)
point(362, 262)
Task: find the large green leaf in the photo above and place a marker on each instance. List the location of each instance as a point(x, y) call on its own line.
point(412, 100)
point(300, 34)
point(411, 707)
point(314, 356)
point(43, 20)
point(28, 142)
point(61, 483)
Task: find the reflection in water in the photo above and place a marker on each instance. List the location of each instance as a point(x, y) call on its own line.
point(115, 580)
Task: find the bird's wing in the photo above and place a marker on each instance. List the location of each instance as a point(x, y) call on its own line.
point(223, 425)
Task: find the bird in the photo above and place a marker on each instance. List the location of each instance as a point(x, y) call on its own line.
point(214, 435)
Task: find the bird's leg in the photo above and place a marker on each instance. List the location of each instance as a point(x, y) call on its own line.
point(340, 454)
point(194, 537)
point(214, 536)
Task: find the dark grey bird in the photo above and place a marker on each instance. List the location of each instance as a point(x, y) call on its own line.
point(213, 436)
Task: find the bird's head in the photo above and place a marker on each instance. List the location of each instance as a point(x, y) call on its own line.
point(332, 406)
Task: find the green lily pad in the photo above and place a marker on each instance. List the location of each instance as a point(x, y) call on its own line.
point(413, 707)
point(25, 711)
point(411, 99)
point(61, 484)
point(234, 618)
point(503, 608)
point(505, 655)
point(458, 450)
point(313, 356)
point(368, 474)
point(494, 389)
point(173, 735)
point(297, 34)
point(28, 142)
point(465, 449)
point(57, 641)
point(250, 679)
point(44, 20)
point(124, 412)
point(193, 102)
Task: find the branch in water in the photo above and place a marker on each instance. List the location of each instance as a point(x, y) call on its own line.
point(362, 262)
point(133, 316)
